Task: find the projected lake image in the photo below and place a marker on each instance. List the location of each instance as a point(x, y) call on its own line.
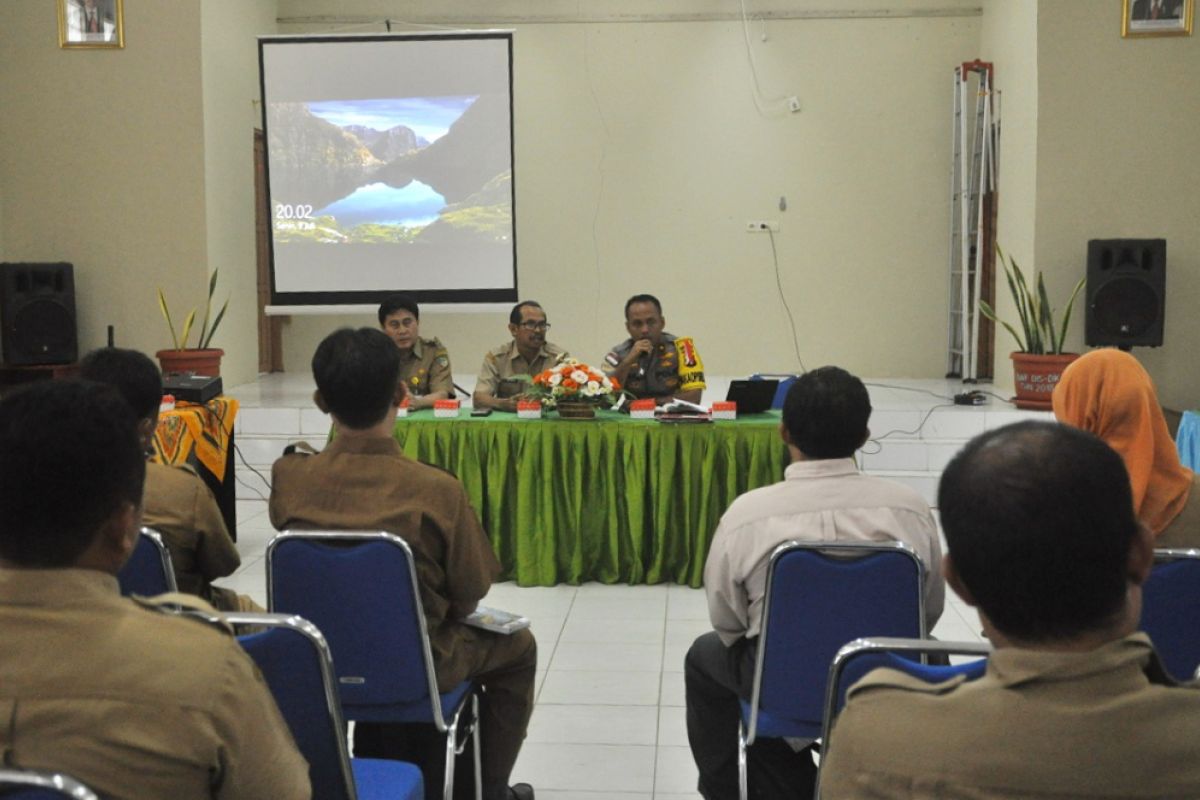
point(390, 170)
point(415, 205)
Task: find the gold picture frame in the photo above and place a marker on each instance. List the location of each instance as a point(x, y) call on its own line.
point(1157, 17)
point(91, 24)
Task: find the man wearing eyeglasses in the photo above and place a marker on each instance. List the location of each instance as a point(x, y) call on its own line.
point(498, 385)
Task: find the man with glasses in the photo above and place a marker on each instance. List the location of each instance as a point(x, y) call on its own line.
point(498, 385)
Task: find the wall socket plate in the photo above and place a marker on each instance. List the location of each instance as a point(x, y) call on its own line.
point(762, 226)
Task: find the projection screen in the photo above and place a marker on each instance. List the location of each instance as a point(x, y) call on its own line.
point(390, 167)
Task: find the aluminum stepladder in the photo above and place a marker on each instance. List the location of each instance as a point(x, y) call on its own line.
point(972, 213)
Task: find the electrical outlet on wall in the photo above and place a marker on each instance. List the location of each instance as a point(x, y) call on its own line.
point(762, 226)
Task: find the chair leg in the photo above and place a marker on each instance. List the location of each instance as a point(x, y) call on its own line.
point(451, 752)
point(475, 734)
point(743, 778)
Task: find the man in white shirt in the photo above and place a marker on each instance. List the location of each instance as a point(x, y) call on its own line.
point(823, 497)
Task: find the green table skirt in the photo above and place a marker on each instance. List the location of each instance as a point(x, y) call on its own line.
point(612, 499)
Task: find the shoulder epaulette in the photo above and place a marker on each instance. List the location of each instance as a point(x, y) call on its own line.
point(895, 679)
point(184, 605)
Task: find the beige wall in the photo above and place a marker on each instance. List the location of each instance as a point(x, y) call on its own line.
point(640, 156)
point(1009, 39)
point(1119, 122)
point(229, 56)
point(102, 163)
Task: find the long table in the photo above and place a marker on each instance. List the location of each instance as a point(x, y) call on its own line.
point(613, 499)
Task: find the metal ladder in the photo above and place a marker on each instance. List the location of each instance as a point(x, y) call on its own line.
point(969, 182)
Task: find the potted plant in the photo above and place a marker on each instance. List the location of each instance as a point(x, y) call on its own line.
point(199, 360)
point(574, 388)
point(1039, 360)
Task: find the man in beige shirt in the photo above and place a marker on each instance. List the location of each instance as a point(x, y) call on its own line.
point(363, 481)
point(526, 355)
point(176, 502)
point(131, 700)
point(823, 498)
point(1042, 539)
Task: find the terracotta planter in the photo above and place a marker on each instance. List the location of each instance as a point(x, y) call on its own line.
point(1036, 376)
point(575, 410)
point(191, 362)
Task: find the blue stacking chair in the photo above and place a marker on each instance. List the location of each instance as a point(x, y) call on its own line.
point(856, 659)
point(148, 571)
point(360, 589)
point(24, 784)
point(1171, 610)
point(820, 595)
point(785, 383)
point(295, 661)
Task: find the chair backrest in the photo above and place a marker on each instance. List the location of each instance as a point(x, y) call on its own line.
point(1171, 610)
point(295, 661)
point(856, 659)
point(148, 571)
point(23, 784)
point(820, 595)
point(360, 589)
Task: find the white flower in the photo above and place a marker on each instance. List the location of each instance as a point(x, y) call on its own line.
point(593, 388)
point(579, 376)
point(555, 379)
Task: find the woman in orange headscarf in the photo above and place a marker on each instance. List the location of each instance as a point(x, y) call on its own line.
point(1108, 393)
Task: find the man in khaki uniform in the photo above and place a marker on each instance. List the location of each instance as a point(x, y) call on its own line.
point(1043, 539)
point(652, 363)
point(176, 503)
point(363, 481)
point(526, 355)
point(133, 701)
point(424, 363)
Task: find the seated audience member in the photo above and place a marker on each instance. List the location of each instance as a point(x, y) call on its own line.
point(1042, 538)
point(823, 498)
point(177, 503)
point(134, 701)
point(424, 363)
point(652, 363)
point(1108, 393)
point(363, 481)
point(527, 354)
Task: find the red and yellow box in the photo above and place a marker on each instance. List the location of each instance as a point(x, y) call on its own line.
point(446, 408)
point(724, 409)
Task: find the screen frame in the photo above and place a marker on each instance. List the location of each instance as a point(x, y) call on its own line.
point(375, 296)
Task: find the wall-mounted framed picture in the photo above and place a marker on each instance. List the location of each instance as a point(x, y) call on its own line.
point(91, 23)
point(1157, 17)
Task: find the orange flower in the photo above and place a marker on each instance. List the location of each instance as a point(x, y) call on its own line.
point(569, 384)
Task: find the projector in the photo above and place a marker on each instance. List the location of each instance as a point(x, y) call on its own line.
point(192, 388)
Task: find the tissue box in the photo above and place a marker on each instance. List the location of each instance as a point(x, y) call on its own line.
point(529, 409)
point(642, 409)
point(403, 410)
point(445, 408)
point(724, 409)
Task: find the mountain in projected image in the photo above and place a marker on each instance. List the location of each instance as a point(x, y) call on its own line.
point(384, 170)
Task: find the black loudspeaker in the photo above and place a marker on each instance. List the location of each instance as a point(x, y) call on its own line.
point(1126, 292)
point(37, 314)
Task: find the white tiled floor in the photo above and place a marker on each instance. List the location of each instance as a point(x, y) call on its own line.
point(609, 720)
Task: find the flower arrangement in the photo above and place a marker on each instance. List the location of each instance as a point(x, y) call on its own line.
point(573, 381)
